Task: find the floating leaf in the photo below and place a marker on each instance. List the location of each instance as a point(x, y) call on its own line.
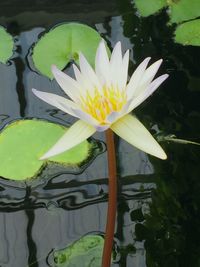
point(23, 142)
point(86, 252)
point(188, 33)
point(62, 44)
point(183, 10)
point(149, 7)
point(6, 45)
point(173, 138)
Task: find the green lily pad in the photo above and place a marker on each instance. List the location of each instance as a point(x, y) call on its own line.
point(183, 10)
point(86, 252)
point(188, 33)
point(6, 45)
point(149, 7)
point(23, 142)
point(62, 44)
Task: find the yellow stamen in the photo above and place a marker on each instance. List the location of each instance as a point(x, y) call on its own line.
point(103, 102)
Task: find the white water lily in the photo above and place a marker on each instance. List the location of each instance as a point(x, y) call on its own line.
point(102, 99)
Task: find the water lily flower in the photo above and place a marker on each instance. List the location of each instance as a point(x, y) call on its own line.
point(102, 99)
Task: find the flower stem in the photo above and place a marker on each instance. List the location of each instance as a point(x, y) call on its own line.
point(112, 200)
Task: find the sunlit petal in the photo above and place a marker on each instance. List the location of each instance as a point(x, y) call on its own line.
point(57, 101)
point(113, 116)
point(83, 82)
point(149, 91)
point(85, 117)
point(136, 78)
point(76, 134)
point(88, 71)
point(133, 131)
point(102, 64)
point(150, 72)
point(116, 65)
point(102, 128)
point(69, 85)
point(124, 71)
point(148, 76)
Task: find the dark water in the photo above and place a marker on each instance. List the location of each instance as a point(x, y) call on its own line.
point(158, 201)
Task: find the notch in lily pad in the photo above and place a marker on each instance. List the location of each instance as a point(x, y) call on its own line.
point(23, 142)
point(183, 10)
point(62, 44)
point(85, 252)
point(6, 45)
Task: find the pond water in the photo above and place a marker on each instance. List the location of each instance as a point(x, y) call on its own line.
point(158, 201)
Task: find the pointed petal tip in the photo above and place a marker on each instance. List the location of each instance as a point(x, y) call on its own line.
point(164, 157)
point(147, 59)
point(118, 44)
point(133, 131)
point(43, 158)
point(102, 42)
point(53, 67)
point(36, 92)
point(54, 70)
point(75, 135)
point(80, 54)
point(161, 154)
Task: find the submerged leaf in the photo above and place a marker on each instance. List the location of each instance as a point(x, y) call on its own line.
point(149, 7)
point(23, 142)
point(183, 10)
point(62, 44)
point(188, 33)
point(86, 252)
point(6, 45)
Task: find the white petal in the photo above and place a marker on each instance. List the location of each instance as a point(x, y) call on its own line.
point(83, 82)
point(113, 116)
point(86, 117)
point(149, 90)
point(116, 54)
point(76, 134)
point(134, 132)
point(88, 71)
point(136, 78)
point(102, 64)
point(124, 71)
point(151, 71)
point(102, 128)
point(69, 85)
point(116, 65)
point(148, 76)
point(57, 101)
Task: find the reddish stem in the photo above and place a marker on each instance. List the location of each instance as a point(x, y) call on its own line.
point(112, 199)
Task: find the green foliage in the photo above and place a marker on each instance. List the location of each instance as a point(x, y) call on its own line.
point(62, 44)
point(6, 45)
point(149, 7)
point(23, 142)
point(183, 10)
point(188, 33)
point(179, 11)
point(86, 252)
point(171, 229)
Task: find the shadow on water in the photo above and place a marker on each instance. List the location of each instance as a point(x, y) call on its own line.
point(158, 202)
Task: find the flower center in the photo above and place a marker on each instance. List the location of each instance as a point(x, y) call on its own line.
point(103, 102)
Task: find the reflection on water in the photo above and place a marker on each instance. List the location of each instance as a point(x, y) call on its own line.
point(63, 205)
